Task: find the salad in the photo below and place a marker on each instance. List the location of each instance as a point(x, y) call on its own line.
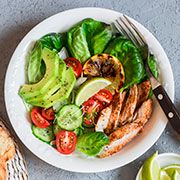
point(87, 89)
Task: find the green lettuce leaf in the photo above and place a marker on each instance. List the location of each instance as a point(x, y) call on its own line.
point(99, 40)
point(130, 58)
point(77, 43)
point(153, 66)
point(91, 143)
point(52, 41)
point(36, 67)
point(87, 38)
point(152, 63)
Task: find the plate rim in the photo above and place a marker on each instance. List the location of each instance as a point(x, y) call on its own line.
point(74, 169)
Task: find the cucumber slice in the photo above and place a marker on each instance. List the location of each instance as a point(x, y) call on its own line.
point(69, 117)
point(44, 134)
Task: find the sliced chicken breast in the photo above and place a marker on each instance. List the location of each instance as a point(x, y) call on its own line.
point(130, 106)
point(143, 91)
point(145, 110)
point(117, 103)
point(103, 119)
point(120, 137)
point(116, 110)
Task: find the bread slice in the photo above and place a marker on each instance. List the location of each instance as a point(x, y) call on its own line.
point(3, 169)
point(7, 147)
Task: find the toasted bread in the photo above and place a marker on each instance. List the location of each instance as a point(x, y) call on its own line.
point(3, 169)
point(7, 147)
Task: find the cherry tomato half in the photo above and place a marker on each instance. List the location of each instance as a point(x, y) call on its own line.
point(91, 109)
point(48, 114)
point(92, 105)
point(66, 142)
point(38, 119)
point(104, 96)
point(75, 64)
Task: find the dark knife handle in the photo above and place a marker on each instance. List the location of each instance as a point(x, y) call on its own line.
point(168, 107)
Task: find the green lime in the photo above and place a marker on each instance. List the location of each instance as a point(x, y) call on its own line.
point(164, 176)
point(170, 169)
point(176, 175)
point(89, 88)
point(151, 168)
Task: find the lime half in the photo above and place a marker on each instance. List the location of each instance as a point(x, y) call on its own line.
point(176, 175)
point(151, 169)
point(89, 88)
point(171, 169)
point(164, 176)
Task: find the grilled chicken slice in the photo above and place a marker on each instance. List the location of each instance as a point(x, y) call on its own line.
point(143, 91)
point(123, 135)
point(130, 106)
point(145, 110)
point(117, 103)
point(103, 119)
point(120, 137)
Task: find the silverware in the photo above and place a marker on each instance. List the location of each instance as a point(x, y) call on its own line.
point(128, 29)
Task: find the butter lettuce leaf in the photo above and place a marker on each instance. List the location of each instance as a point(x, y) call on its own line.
point(52, 41)
point(131, 59)
point(152, 63)
point(36, 67)
point(87, 38)
point(91, 143)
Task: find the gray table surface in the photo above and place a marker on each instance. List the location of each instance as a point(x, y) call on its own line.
point(161, 17)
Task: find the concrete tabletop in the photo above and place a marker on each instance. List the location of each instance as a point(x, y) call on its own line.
point(161, 17)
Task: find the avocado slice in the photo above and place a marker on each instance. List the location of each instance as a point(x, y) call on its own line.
point(62, 94)
point(51, 60)
point(64, 91)
point(53, 87)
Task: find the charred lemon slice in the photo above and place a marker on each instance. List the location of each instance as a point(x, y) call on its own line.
point(106, 66)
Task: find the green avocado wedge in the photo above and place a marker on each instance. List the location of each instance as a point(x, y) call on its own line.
point(51, 60)
point(55, 86)
point(63, 93)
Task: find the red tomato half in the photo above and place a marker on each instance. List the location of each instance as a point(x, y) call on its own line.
point(75, 65)
point(48, 114)
point(38, 119)
point(104, 96)
point(91, 105)
point(66, 142)
point(90, 109)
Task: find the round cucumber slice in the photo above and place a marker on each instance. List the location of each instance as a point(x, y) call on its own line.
point(69, 117)
point(44, 134)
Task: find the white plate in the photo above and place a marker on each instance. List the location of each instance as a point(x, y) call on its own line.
point(15, 77)
point(164, 159)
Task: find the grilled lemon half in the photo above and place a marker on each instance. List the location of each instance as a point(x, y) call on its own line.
point(106, 66)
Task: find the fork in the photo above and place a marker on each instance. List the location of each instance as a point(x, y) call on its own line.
point(129, 30)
